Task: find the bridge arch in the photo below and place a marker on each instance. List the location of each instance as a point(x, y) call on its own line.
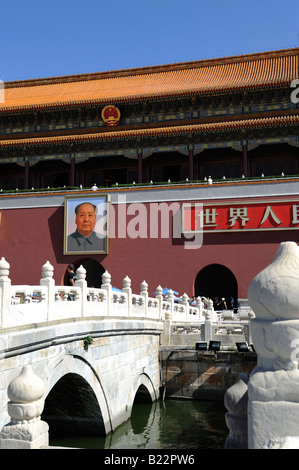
point(142, 390)
point(65, 374)
point(216, 280)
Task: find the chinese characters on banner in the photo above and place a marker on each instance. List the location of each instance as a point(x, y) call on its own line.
point(241, 216)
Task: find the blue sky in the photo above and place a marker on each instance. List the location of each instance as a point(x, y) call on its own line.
point(41, 38)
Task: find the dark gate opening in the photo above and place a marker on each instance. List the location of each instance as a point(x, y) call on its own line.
point(217, 281)
point(94, 272)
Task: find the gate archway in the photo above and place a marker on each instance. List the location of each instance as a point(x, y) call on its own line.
point(216, 280)
point(94, 271)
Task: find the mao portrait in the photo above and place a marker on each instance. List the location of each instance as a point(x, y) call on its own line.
point(85, 224)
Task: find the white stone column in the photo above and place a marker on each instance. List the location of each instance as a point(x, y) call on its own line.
point(166, 333)
point(236, 402)
point(185, 303)
point(128, 290)
point(273, 387)
point(5, 292)
point(208, 321)
point(26, 430)
point(144, 293)
point(159, 297)
point(199, 306)
point(106, 285)
point(82, 283)
point(48, 281)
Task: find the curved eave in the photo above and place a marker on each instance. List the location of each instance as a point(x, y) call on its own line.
point(125, 99)
point(118, 134)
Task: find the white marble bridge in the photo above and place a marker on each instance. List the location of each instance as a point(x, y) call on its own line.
point(103, 345)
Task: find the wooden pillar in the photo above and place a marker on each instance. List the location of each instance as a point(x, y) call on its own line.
point(26, 175)
point(191, 164)
point(245, 160)
point(82, 177)
point(146, 171)
point(139, 155)
point(72, 182)
point(37, 183)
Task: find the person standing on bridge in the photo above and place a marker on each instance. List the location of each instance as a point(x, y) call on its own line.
point(71, 278)
point(71, 275)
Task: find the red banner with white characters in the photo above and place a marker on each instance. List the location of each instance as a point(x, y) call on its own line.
point(240, 216)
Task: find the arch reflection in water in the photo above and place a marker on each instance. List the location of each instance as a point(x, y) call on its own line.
point(173, 424)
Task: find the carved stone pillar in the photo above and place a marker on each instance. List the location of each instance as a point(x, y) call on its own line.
point(273, 387)
point(25, 430)
point(48, 281)
point(5, 292)
point(236, 401)
point(82, 283)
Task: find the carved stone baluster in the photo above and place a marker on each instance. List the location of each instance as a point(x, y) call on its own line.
point(82, 283)
point(128, 290)
point(185, 303)
point(273, 387)
point(236, 401)
point(5, 287)
point(48, 281)
point(26, 430)
point(144, 295)
point(106, 285)
point(159, 297)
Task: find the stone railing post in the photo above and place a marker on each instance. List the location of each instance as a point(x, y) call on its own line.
point(144, 293)
point(48, 281)
point(273, 387)
point(185, 303)
point(170, 299)
point(209, 321)
point(25, 430)
point(106, 285)
point(5, 291)
point(166, 333)
point(128, 290)
point(82, 283)
point(199, 306)
point(159, 297)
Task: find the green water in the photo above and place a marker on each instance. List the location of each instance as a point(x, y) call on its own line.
point(172, 424)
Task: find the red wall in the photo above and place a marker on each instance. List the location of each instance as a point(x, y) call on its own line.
point(30, 237)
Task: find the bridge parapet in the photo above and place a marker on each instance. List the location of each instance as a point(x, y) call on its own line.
point(23, 305)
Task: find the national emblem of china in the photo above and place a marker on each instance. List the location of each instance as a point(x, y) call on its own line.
point(111, 115)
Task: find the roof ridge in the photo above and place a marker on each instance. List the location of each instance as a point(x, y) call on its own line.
point(151, 69)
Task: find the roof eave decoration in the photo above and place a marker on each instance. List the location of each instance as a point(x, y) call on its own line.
point(281, 121)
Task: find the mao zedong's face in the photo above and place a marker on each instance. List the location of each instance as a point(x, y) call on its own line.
point(85, 219)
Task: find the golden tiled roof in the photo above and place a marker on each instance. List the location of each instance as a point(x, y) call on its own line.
point(198, 77)
point(118, 134)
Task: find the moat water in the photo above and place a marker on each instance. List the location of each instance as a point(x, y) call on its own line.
point(169, 424)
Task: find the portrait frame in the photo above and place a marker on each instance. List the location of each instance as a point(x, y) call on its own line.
point(72, 239)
